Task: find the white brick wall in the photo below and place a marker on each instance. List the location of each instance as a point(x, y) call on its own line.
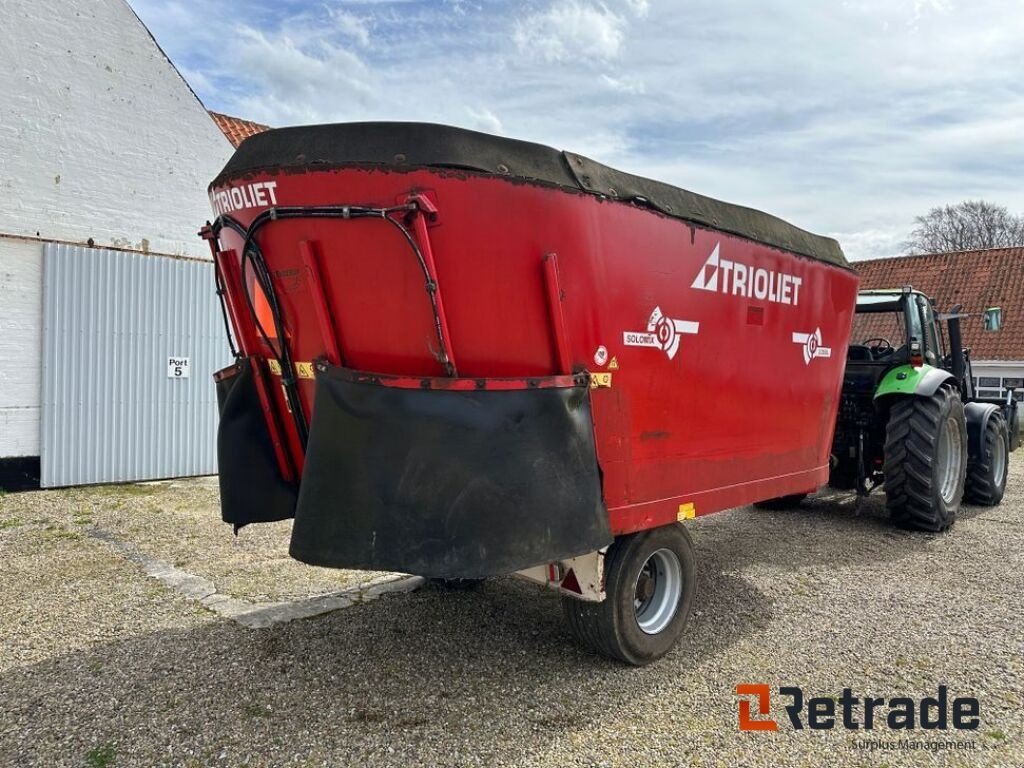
point(21, 309)
point(99, 135)
point(99, 138)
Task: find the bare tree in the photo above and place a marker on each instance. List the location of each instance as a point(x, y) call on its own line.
point(967, 226)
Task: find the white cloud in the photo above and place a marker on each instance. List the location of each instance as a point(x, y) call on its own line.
point(351, 25)
point(571, 29)
point(483, 120)
point(296, 81)
point(639, 7)
point(624, 84)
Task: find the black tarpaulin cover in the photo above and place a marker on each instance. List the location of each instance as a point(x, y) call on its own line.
point(400, 146)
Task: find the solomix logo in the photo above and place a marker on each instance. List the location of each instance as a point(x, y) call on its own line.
point(854, 712)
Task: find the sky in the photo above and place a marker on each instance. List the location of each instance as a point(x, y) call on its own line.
point(845, 117)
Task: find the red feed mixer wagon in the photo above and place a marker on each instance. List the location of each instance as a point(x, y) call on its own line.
point(463, 356)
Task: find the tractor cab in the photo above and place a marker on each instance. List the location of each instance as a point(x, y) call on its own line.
point(895, 328)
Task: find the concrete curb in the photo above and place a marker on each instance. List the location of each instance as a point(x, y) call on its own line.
point(255, 615)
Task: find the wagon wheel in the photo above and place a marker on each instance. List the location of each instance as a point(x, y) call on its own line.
point(650, 581)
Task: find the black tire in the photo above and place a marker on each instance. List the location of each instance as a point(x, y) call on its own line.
point(782, 502)
point(1015, 429)
point(612, 627)
point(454, 585)
point(915, 478)
point(986, 477)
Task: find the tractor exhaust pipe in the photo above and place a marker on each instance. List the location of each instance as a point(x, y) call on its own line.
point(956, 345)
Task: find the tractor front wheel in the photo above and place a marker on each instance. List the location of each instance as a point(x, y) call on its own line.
point(926, 460)
point(650, 581)
point(986, 477)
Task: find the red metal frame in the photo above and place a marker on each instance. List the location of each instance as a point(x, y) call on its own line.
point(231, 274)
point(316, 291)
point(425, 208)
point(554, 293)
point(284, 460)
point(245, 333)
point(465, 385)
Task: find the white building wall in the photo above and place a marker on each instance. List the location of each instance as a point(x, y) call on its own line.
point(994, 378)
point(100, 138)
point(99, 135)
point(21, 312)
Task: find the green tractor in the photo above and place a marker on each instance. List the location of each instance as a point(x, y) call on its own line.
point(909, 418)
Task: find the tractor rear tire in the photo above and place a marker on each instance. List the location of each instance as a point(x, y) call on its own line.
point(986, 477)
point(782, 502)
point(650, 582)
point(925, 460)
point(1014, 428)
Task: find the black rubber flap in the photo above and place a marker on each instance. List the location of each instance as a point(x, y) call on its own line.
point(251, 488)
point(416, 145)
point(450, 484)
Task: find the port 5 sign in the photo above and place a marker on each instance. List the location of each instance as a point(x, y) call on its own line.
point(177, 367)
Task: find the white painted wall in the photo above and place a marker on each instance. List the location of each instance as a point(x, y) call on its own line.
point(99, 135)
point(21, 322)
point(1009, 373)
point(99, 138)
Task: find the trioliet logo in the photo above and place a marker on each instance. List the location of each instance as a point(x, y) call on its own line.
point(738, 279)
point(855, 713)
point(257, 195)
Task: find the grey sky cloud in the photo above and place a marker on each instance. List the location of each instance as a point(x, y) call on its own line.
point(846, 117)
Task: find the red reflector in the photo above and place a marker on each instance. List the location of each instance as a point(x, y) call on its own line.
point(570, 583)
point(916, 360)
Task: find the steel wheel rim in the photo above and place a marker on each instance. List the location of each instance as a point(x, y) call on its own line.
point(998, 459)
point(950, 458)
point(657, 590)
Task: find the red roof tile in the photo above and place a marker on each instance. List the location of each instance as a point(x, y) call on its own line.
point(975, 279)
point(237, 129)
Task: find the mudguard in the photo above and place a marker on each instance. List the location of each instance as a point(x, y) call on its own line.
point(1014, 426)
point(447, 478)
point(251, 487)
point(977, 416)
point(909, 380)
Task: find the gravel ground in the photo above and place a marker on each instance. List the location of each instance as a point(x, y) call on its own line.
point(100, 665)
point(179, 522)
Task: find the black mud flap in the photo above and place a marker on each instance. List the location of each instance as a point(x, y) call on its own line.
point(251, 487)
point(447, 483)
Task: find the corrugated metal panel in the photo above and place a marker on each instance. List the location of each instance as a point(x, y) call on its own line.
point(110, 413)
